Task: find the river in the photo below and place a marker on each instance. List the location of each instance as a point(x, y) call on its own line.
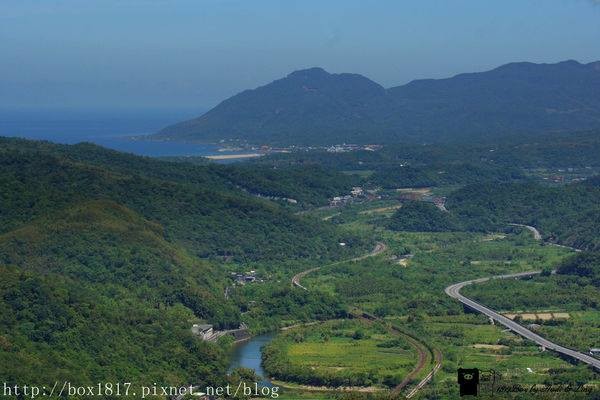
point(248, 355)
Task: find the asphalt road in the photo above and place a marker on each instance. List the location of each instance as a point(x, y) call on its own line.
point(454, 291)
point(538, 236)
point(379, 248)
point(536, 233)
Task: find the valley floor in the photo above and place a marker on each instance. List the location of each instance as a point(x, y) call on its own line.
point(408, 292)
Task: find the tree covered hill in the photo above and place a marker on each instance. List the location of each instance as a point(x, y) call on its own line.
point(296, 109)
point(418, 216)
point(585, 265)
point(95, 293)
point(311, 185)
point(568, 214)
point(201, 208)
point(397, 176)
point(102, 269)
point(313, 106)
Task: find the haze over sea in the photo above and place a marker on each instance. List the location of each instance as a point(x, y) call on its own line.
point(112, 129)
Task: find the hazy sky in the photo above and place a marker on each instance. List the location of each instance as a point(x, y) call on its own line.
point(139, 54)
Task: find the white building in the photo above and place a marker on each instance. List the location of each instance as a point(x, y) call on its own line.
point(357, 191)
point(205, 331)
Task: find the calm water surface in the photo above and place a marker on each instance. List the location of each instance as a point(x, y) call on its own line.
point(248, 355)
point(114, 131)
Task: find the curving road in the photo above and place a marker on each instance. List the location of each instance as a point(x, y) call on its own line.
point(536, 233)
point(379, 248)
point(454, 291)
point(538, 236)
point(421, 349)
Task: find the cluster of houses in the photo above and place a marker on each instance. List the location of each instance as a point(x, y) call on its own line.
point(357, 193)
point(440, 202)
point(344, 148)
point(241, 278)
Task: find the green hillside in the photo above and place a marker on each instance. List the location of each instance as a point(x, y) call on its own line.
point(199, 207)
point(577, 149)
point(107, 259)
point(418, 216)
point(568, 214)
point(95, 293)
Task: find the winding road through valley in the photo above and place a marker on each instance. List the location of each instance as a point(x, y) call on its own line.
point(420, 347)
point(379, 248)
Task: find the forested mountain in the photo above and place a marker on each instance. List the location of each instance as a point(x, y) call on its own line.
point(296, 109)
point(95, 293)
point(313, 106)
point(585, 265)
point(308, 185)
point(418, 216)
point(200, 207)
point(101, 259)
point(568, 214)
point(397, 176)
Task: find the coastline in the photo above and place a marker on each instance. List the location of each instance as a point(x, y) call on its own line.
point(233, 156)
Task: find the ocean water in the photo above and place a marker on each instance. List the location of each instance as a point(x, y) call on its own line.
point(113, 130)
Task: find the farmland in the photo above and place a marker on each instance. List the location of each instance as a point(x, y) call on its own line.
point(341, 353)
point(411, 296)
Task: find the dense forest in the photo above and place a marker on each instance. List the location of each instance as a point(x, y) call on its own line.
point(95, 293)
point(399, 176)
point(418, 216)
point(106, 260)
point(568, 214)
point(198, 206)
point(308, 186)
point(585, 265)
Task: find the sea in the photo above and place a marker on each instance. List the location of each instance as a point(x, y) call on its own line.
point(115, 130)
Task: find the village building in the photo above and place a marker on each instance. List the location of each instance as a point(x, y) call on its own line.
point(205, 331)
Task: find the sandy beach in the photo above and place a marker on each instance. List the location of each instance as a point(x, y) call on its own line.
point(234, 156)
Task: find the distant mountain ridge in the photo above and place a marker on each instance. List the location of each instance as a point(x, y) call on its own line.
point(312, 106)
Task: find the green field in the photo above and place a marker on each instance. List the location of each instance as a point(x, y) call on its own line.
point(411, 294)
point(386, 287)
point(469, 341)
point(581, 330)
point(341, 353)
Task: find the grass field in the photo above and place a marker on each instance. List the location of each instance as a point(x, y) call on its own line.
point(342, 353)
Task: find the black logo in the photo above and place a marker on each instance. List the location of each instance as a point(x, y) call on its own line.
point(468, 379)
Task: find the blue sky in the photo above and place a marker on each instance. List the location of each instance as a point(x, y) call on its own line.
point(158, 54)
